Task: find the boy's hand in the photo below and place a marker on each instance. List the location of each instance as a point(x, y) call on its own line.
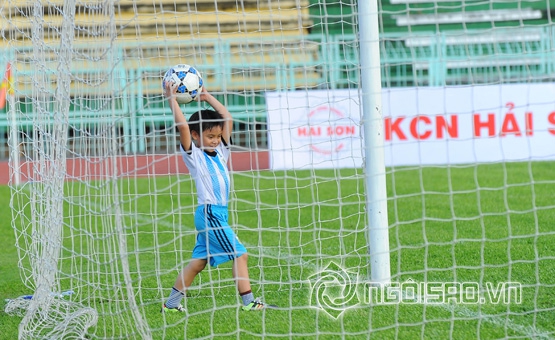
point(202, 96)
point(170, 90)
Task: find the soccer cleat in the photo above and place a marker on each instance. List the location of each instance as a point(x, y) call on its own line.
point(256, 304)
point(178, 309)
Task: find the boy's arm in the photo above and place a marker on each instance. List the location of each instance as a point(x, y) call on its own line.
point(178, 116)
point(222, 110)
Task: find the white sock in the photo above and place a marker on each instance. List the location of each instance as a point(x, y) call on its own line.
point(175, 298)
point(247, 297)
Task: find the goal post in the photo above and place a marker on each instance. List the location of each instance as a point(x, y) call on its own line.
point(372, 120)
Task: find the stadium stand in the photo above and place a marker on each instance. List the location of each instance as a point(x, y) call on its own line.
point(240, 47)
point(302, 44)
point(444, 42)
point(452, 42)
point(189, 29)
point(140, 25)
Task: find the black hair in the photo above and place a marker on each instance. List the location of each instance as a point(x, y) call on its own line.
point(205, 120)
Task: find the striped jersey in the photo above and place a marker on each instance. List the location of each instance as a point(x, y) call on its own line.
point(210, 173)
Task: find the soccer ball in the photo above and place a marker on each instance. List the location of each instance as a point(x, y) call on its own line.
point(188, 79)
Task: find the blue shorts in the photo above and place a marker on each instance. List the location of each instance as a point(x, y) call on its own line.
point(216, 242)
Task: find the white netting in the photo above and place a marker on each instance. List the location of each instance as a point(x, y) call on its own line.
point(103, 204)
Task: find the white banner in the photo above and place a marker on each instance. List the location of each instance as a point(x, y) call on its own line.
point(422, 126)
point(314, 129)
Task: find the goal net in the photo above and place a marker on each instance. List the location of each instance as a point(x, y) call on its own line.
point(103, 205)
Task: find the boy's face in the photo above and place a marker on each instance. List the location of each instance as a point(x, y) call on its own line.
point(210, 138)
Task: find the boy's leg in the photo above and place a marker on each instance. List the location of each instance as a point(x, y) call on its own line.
point(241, 275)
point(188, 274)
point(184, 281)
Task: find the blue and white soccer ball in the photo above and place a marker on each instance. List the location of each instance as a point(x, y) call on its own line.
point(188, 79)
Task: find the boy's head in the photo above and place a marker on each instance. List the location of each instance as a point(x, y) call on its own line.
point(206, 128)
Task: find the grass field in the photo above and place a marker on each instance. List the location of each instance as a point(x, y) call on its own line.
point(475, 223)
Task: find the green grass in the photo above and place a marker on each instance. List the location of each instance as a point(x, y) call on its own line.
point(474, 223)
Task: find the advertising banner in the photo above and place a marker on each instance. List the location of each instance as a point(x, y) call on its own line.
point(314, 129)
point(421, 126)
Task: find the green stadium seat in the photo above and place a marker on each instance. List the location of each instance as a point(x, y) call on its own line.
point(521, 34)
point(427, 15)
point(487, 16)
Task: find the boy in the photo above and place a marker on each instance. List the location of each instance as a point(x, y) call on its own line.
point(205, 143)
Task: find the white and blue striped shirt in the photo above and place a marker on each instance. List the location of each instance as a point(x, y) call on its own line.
point(210, 173)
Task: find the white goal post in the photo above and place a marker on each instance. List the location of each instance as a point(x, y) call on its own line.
point(391, 170)
point(372, 121)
